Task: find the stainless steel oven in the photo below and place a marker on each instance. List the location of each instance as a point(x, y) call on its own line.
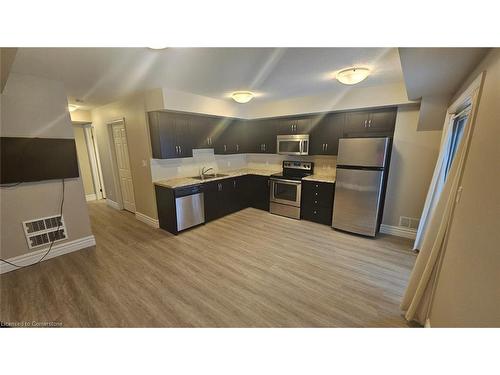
point(295, 144)
point(286, 188)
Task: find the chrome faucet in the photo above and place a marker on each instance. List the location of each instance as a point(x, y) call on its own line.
point(204, 171)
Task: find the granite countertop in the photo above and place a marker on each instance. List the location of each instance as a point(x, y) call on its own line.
point(188, 181)
point(321, 178)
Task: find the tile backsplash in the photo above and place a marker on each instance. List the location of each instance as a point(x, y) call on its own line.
point(163, 169)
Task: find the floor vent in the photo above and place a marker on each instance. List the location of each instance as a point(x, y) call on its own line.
point(408, 222)
point(43, 231)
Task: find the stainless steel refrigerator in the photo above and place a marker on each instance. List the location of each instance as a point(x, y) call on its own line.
point(362, 165)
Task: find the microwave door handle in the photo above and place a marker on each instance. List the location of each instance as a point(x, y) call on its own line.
point(301, 147)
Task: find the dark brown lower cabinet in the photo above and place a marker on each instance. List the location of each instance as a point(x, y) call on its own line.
point(223, 197)
point(317, 201)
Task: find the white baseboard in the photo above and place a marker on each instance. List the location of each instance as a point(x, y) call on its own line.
point(57, 250)
point(113, 204)
point(90, 197)
point(148, 220)
point(398, 231)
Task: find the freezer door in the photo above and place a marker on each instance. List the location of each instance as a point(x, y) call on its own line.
point(363, 152)
point(357, 200)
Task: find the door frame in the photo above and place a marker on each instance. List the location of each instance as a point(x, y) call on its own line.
point(114, 162)
point(94, 160)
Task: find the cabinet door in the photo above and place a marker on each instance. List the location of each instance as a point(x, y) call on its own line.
point(318, 136)
point(211, 201)
point(261, 136)
point(303, 125)
point(286, 125)
point(356, 123)
point(259, 193)
point(167, 135)
point(154, 134)
point(382, 121)
point(202, 131)
point(238, 138)
point(324, 139)
point(183, 138)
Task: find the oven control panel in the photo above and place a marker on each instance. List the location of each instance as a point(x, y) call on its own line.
point(303, 165)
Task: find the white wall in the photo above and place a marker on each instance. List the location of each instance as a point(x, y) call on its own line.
point(37, 107)
point(414, 155)
point(134, 110)
point(468, 287)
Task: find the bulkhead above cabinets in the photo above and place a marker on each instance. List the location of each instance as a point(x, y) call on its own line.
point(175, 134)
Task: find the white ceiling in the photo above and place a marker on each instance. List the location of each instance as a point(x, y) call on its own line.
point(101, 75)
point(437, 71)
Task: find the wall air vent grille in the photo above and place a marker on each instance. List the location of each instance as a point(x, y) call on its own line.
point(43, 231)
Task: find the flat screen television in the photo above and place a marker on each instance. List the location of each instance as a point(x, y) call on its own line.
point(37, 159)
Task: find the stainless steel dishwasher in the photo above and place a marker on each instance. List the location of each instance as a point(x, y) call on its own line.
point(189, 207)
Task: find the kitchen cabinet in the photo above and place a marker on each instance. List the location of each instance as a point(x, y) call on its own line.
point(261, 136)
point(258, 196)
point(317, 201)
point(225, 196)
point(170, 135)
point(232, 139)
point(294, 125)
point(370, 123)
point(324, 137)
point(204, 130)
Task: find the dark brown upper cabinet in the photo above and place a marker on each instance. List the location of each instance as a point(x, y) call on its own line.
point(370, 123)
point(294, 125)
point(232, 138)
point(204, 130)
point(261, 136)
point(170, 135)
point(325, 134)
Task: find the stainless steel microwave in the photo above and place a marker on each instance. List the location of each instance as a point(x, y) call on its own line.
point(295, 144)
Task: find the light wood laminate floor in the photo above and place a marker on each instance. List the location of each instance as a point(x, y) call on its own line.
point(248, 269)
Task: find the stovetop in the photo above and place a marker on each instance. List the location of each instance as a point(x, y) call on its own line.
point(295, 170)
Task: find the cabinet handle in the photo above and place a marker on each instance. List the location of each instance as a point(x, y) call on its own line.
point(225, 148)
point(315, 212)
point(234, 183)
point(237, 147)
point(315, 201)
point(326, 146)
point(366, 122)
point(370, 123)
point(177, 149)
point(265, 147)
point(317, 185)
point(180, 150)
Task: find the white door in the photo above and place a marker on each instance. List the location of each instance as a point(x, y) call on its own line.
point(122, 160)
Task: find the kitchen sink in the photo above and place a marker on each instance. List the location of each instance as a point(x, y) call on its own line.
point(209, 176)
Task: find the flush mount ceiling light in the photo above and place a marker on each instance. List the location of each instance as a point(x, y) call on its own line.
point(72, 107)
point(351, 76)
point(242, 96)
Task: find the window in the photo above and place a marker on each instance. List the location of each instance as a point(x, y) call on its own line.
point(456, 136)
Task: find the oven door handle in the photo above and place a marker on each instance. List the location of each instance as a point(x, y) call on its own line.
point(294, 182)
